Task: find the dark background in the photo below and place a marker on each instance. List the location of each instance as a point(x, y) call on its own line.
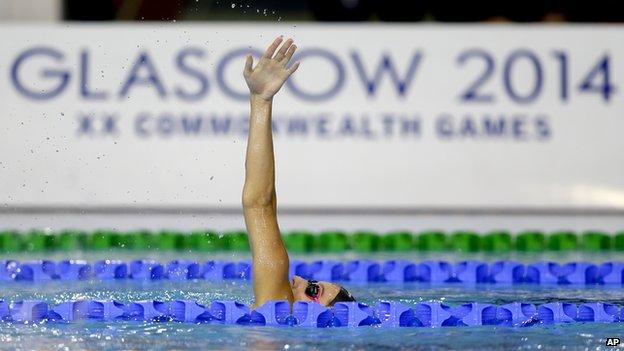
point(607, 11)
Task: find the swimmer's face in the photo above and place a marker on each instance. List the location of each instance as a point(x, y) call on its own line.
point(326, 291)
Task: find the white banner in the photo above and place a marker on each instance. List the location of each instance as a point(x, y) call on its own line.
point(377, 115)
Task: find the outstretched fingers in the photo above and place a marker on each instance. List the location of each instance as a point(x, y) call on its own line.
point(289, 54)
point(271, 49)
point(292, 68)
point(248, 66)
point(282, 51)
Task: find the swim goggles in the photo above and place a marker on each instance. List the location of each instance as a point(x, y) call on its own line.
point(313, 289)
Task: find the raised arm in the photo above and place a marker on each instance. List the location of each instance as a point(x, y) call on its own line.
point(270, 259)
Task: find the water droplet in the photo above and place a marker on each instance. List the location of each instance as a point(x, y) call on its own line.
point(233, 5)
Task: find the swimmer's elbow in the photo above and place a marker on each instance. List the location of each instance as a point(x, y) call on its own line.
point(251, 200)
point(256, 197)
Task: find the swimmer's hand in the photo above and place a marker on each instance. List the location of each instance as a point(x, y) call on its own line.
point(266, 79)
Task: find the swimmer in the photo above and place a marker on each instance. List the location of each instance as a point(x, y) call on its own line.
point(270, 258)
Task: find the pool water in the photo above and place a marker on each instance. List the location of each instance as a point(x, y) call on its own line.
point(183, 336)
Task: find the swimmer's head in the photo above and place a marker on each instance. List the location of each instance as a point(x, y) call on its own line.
point(325, 293)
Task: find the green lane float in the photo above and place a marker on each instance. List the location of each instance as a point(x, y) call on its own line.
point(497, 241)
point(465, 241)
point(364, 241)
point(299, 241)
point(562, 241)
point(332, 241)
point(140, 240)
point(11, 241)
point(618, 241)
point(71, 240)
point(432, 241)
point(398, 241)
point(531, 241)
point(236, 240)
point(203, 241)
point(596, 241)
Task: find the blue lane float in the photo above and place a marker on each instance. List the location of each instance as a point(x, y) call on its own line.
point(399, 271)
point(385, 314)
point(110, 269)
point(355, 271)
point(517, 314)
point(28, 311)
point(311, 315)
point(146, 269)
point(94, 310)
point(183, 270)
point(475, 313)
point(506, 272)
point(396, 314)
point(353, 314)
point(555, 273)
point(189, 311)
point(557, 312)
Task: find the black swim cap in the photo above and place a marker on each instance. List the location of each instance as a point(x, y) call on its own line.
point(342, 296)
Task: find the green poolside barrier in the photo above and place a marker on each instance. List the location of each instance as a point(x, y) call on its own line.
point(431, 241)
point(465, 241)
point(363, 241)
point(530, 241)
point(398, 241)
point(332, 241)
point(497, 241)
point(596, 241)
point(564, 240)
point(299, 241)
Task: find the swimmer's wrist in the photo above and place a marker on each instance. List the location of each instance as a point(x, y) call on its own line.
point(257, 98)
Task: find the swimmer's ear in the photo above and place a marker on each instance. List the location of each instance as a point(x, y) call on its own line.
point(293, 68)
point(248, 65)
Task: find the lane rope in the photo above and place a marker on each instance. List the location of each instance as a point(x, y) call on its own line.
point(355, 271)
point(305, 241)
point(311, 314)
